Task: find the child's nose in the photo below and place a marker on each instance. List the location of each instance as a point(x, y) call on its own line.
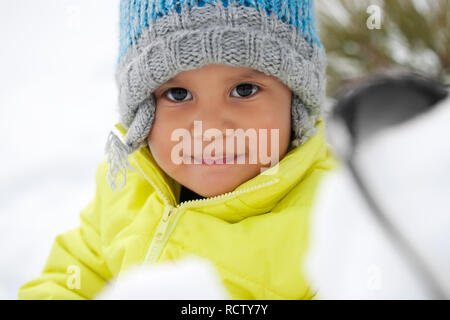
point(215, 119)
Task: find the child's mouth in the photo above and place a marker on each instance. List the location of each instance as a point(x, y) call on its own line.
point(216, 161)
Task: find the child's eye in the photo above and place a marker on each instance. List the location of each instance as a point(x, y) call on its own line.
point(245, 89)
point(178, 94)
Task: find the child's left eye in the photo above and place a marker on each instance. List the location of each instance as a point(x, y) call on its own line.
point(245, 89)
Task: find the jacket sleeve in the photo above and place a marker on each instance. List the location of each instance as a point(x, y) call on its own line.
point(75, 267)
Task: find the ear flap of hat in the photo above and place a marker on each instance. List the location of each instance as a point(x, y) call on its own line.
point(119, 147)
point(302, 121)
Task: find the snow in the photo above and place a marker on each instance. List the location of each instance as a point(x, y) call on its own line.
point(57, 105)
point(406, 168)
point(189, 278)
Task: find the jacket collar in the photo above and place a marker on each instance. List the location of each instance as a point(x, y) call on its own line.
point(255, 196)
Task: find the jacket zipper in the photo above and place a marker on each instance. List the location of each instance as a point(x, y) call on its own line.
point(169, 218)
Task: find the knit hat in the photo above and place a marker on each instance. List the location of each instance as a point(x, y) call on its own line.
point(160, 38)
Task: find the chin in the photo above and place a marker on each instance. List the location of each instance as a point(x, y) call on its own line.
point(212, 191)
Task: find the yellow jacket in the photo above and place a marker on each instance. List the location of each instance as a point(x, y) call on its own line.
point(255, 235)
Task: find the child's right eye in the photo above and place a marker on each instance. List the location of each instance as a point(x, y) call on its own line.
point(178, 94)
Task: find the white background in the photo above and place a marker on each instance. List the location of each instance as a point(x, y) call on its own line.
point(58, 101)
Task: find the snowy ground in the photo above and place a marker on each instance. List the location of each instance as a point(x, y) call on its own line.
point(57, 103)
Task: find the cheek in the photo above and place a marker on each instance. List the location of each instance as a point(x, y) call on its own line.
point(275, 118)
point(278, 119)
point(159, 140)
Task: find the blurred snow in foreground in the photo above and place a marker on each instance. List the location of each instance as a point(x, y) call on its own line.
point(189, 278)
point(407, 169)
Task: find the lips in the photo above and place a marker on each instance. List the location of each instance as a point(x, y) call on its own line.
point(215, 161)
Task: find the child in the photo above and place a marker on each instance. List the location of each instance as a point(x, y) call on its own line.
point(189, 70)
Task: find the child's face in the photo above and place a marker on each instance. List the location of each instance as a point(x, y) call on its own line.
point(222, 97)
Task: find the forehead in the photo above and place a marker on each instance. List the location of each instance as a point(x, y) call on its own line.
point(219, 70)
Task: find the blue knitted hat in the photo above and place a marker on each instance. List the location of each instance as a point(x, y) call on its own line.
point(160, 38)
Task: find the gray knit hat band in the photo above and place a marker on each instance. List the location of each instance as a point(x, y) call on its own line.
point(235, 35)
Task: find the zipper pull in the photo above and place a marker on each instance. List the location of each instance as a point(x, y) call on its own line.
point(162, 227)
